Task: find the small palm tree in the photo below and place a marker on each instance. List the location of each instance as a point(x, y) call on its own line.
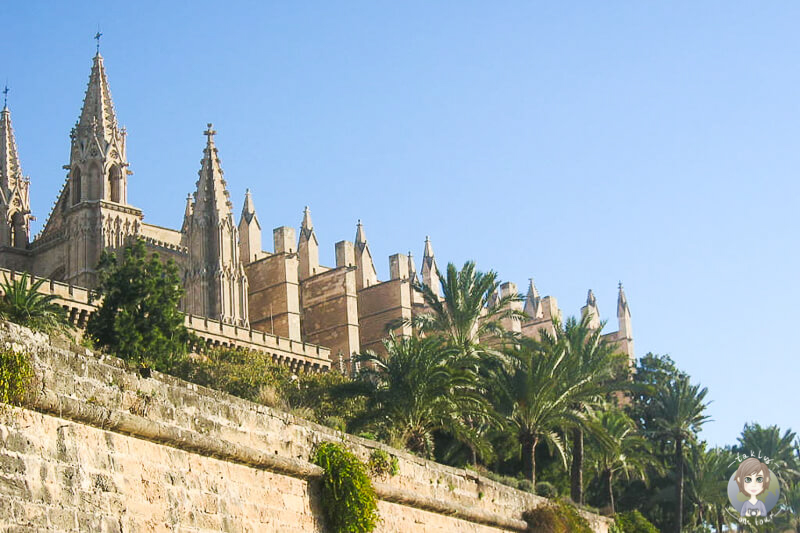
point(23, 303)
point(420, 386)
point(680, 410)
point(624, 453)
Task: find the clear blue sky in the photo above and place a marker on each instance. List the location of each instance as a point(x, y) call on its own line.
point(578, 144)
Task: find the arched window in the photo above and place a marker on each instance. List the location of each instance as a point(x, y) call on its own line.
point(114, 183)
point(76, 186)
point(19, 235)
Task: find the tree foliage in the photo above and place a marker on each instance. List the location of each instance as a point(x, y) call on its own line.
point(139, 319)
point(24, 304)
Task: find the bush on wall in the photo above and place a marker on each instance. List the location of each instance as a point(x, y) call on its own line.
point(16, 374)
point(556, 517)
point(348, 499)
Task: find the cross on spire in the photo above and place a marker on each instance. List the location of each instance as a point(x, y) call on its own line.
point(97, 38)
point(210, 132)
point(5, 96)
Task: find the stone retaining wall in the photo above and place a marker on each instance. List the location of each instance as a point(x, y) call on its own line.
point(100, 448)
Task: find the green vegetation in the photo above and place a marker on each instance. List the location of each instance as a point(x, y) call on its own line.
point(348, 499)
point(22, 303)
point(633, 522)
point(16, 374)
point(138, 319)
point(459, 389)
point(557, 516)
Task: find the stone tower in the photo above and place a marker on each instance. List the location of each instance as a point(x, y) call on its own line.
point(214, 277)
point(93, 204)
point(15, 208)
point(625, 332)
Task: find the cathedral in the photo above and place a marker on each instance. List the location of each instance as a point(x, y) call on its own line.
point(227, 276)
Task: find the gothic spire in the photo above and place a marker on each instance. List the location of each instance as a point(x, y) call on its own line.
point(430, 275)
point(10, 168)
point(98, 113)
point(591, 301)
point(212, 197)
point(428, 248)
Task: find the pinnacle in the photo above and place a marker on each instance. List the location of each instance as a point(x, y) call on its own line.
point(428, 247)
point(307, 224)
point(361, 236)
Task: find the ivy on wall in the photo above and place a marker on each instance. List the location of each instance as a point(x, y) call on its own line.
point(16, 374)
point(349, 503)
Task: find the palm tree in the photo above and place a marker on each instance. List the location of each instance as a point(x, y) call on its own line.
point(680, 414)
point(624, 452)
point(586, 349)
point(24, 304)
point(707, 485)
point(469, 311)
point(768, 442)
point(543, 392)
point(420, 386)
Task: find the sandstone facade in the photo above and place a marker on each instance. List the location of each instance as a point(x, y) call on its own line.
point(227, 275)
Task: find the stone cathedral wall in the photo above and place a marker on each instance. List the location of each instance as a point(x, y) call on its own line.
point(97, 447)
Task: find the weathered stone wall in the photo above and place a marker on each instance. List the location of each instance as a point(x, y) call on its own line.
point(100, 448)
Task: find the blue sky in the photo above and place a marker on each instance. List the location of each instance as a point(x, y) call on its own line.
point(577, 143)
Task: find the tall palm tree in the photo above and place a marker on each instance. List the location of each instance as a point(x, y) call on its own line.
point(625, 452)
point(420, 386)
point(543, 392)
point(593, 356)
point(680, 410)
point(707, 487)
point(469, 312)
point(23, 303)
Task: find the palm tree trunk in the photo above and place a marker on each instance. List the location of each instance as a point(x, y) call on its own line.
point(529, 458)
point(608, 475)
point(576, 473)
point(679, 485)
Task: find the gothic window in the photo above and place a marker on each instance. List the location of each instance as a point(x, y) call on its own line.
point(114, 180)
point(76, 186)
point(19, 237)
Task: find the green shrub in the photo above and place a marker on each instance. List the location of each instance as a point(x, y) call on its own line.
point(348, 499)
point(22, 303)
point(634, 522)
point(382, 464)
point(546, 490)
point(556, 517)
point(16, 374)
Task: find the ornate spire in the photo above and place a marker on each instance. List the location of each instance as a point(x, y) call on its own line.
point(412, 267)
point(430, 275)
point(14, 188)
point(10, 169)
point(367, 276)
point(98, 113)
point(212, 198)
